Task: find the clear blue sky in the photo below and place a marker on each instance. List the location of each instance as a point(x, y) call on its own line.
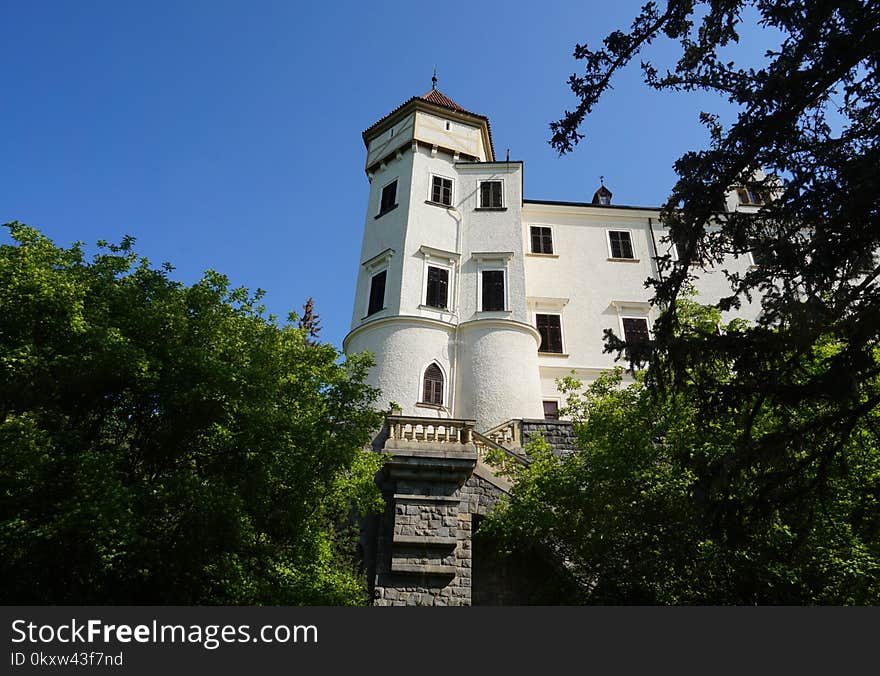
point(227, 135)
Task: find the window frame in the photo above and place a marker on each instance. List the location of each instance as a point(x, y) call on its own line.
point(420, 401)
point(504, 295)
point(382, 211)
point(373, 276)
point(437, 258)
point(448, 271)
point(632, 244)
point(556, 402)
point(373, 266)
point(491, 207)
point(532, 251)
point(546, 313)
point(643, 318)
point(441, 177)
point(634, 316)
point(488, 261)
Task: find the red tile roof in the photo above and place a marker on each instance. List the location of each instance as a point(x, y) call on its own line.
point(438, 98)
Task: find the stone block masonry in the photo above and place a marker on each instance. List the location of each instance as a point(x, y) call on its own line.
point(420, 552)
point(558, 433)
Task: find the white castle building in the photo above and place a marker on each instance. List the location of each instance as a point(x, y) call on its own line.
point(475, 300)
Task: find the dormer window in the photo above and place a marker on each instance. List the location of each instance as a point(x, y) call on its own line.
point(602, 196)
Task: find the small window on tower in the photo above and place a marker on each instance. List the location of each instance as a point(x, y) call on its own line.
point(377, 293)
point(389, 198)
point(441, 190)
point(437, 292)
point(432, 386)
point(542, 240)
point(493, 290)
point(620, 243)
point(491, 194)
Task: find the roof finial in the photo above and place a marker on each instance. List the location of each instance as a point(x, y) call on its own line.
point(602, 181)
point(434, 79)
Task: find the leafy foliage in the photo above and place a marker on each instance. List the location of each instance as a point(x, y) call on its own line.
point(664, 505)
point(811, 118)
point(162, 443)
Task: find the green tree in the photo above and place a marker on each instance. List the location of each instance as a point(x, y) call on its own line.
point(163, 443)
point(773, 490)
point(811, 118)
point(654, 510)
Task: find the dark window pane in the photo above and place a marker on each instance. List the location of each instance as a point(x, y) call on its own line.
point(636, 330)
point(493, 290)
point(438, 287)
point(377, 293)
point(432, 390)
point(550, 328)
point(542, 240)
point(551, 410)
point(621, 245)
point(441, 190)
point(490, 194)
point(389, 197)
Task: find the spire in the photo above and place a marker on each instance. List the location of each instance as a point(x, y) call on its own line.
point(434, 79)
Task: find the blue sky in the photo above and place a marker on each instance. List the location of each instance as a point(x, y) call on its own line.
point(227, 135)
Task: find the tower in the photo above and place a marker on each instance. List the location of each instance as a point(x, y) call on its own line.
point(440, 298)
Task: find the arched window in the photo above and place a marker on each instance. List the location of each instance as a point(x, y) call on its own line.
point(432, 388)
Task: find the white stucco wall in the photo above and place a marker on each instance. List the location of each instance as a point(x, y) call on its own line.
point(493, 371)
point(498, 373)
point(403, 349)
point(593, 293)
point(461, 137)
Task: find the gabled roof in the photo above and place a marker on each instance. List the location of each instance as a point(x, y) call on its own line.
point(437, 98)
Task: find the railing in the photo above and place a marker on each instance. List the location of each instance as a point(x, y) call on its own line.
point(507, 434)
point(429, 430)
point(489, 451)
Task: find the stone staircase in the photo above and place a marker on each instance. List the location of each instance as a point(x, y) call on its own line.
point(434, 482)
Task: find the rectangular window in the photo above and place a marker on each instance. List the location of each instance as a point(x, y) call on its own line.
point(542, 240)
point(550, 328)
point(490, 194)
point(377, 292)
point(438, 287)
point(621, 244)
point(493, 290)
point(389, 198)
point(635, 332)
point(551, 410)
point(441, 190)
